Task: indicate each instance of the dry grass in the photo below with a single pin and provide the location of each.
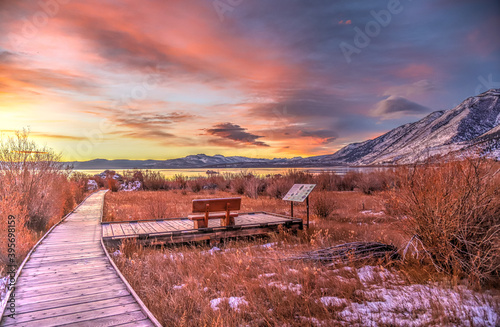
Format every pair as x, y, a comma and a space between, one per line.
248, 283
245, 283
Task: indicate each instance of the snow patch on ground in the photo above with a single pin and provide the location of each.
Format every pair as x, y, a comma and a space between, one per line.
267, 275
415, 305
265, 246
117, 253
296, 288
370, 273
332, 301
131, 186
371, 213
234, 302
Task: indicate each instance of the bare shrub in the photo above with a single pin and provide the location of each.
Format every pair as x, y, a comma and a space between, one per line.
373, 182
196, 185
35, 189
327, 181
278, 186
237, 185
157, 206
32, 172
454, 209
348, 181
179, 182
323, 204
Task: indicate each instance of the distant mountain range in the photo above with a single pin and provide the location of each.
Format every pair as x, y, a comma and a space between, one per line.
471, 127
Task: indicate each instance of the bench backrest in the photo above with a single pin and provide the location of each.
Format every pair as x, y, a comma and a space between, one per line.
215, 205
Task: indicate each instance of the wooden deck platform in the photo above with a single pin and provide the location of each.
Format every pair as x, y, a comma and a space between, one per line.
69, 280
181, 230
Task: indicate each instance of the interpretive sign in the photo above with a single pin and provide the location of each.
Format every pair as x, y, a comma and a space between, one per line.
299, 192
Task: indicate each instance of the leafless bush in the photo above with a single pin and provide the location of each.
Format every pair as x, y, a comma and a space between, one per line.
454, 209
277, 187
35, 189
327, 181
197, 184
32, 172
237, 184
157, 207
348, 181
373, 181
253, 186
323, 204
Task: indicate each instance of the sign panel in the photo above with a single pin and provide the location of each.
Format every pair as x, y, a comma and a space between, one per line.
299, 192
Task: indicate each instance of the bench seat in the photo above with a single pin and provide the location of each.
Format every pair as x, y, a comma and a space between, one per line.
212, 215
205, 209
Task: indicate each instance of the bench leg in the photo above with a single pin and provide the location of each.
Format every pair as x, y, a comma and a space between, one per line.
199, 224
224, 221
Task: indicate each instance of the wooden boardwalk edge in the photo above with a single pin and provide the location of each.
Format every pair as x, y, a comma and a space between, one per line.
144, 309
28, 256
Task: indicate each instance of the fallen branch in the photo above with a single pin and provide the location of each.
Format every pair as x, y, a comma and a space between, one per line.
356, 251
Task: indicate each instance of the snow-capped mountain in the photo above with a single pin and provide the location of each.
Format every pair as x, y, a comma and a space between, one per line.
471, 126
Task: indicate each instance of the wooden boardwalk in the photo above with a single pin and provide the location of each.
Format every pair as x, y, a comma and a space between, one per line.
69, 281
181, 230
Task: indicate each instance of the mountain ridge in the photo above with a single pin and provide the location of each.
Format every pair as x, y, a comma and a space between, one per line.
473, 125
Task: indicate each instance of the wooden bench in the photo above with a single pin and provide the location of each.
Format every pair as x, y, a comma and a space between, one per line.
205, 209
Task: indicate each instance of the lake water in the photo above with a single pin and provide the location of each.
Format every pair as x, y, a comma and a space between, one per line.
197, 172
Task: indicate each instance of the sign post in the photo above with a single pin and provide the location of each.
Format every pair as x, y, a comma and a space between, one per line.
299, 193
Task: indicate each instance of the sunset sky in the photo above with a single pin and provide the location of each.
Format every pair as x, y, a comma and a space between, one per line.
282, 78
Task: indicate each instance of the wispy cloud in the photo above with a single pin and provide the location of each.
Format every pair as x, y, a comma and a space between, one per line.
396, 107
236, 133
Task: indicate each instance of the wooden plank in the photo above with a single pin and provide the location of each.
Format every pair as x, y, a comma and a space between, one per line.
71, 309
219, 204
26, 273
42, 279
149, 227
57, 284
158, 227
141, 323
61, 254
138, 229
118, 315
127, 229
57, 303
115, 289
65, 288
117, 230
54, 260
72, 263
107, 230
146, 227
